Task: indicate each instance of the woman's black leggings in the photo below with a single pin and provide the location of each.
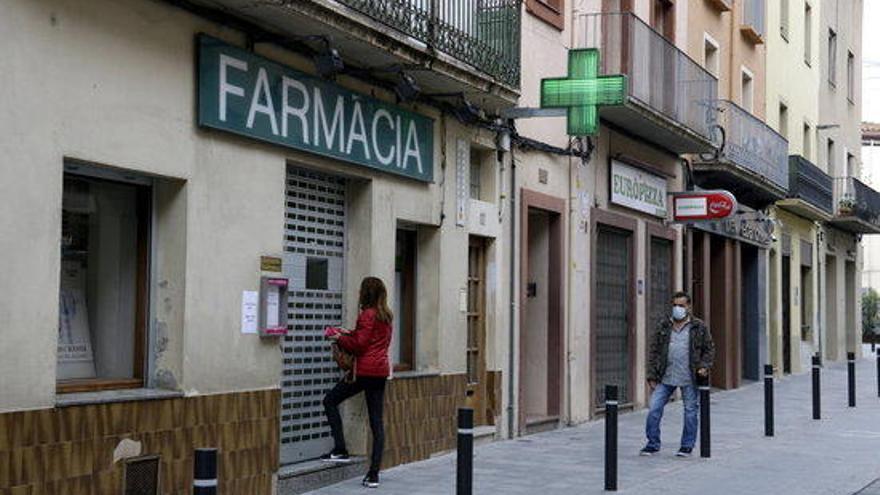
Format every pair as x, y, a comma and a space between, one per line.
374, 390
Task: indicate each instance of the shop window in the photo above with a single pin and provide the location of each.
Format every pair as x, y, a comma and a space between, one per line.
405, 297
103, 283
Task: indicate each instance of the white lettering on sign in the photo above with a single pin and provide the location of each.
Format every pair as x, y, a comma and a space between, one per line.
639, 190
690, 207
226, 88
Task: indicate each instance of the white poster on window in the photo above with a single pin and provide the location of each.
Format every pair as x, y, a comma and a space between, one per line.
75, 357
250, 302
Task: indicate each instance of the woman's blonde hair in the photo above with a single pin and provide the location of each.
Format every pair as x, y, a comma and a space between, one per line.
373, 295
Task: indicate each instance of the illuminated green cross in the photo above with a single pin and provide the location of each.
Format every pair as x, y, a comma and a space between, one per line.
583, 91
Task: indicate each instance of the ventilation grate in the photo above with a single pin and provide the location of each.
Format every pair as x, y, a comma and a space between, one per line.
142, 476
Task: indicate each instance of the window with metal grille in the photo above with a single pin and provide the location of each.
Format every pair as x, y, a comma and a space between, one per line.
141, 476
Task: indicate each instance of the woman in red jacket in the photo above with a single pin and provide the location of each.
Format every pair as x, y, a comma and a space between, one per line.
369, 342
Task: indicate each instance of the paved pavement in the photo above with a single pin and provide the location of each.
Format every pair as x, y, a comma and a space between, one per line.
838, 455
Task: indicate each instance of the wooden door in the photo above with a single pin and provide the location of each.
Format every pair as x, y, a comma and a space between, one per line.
476, 330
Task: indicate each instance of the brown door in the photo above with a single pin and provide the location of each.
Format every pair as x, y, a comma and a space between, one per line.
476, 330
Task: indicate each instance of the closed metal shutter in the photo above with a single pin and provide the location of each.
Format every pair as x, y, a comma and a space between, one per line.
613, 297
659, 285
313, 260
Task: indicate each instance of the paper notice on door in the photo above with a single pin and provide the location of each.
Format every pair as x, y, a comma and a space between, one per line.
273, 298
250, 300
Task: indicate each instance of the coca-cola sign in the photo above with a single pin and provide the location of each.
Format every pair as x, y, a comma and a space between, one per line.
695, 206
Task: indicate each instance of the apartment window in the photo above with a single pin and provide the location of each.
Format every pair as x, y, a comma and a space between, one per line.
808, 34
783, 19
829, 158
808, 141
476, 173
832, 57
783, 120
850, 165
550, 11
663, 18
403, 324
105, 231
711, 59
748, 90
850, 76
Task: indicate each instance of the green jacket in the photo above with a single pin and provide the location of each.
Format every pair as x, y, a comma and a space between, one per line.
702, 350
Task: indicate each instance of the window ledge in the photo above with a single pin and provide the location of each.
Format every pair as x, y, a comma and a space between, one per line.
403, 375
110, 396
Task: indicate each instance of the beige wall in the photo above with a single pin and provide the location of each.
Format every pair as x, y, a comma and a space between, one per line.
845, 17
735, 51
115, 87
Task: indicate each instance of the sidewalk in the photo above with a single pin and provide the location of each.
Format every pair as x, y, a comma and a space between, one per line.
838, 455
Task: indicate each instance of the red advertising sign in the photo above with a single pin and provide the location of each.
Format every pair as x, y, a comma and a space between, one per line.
703, 205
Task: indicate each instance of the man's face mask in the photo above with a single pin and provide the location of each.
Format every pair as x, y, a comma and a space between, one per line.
679, 312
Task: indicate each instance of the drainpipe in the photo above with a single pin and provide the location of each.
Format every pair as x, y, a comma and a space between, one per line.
513, 293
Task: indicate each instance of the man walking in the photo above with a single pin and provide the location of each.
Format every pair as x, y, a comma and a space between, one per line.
682, 349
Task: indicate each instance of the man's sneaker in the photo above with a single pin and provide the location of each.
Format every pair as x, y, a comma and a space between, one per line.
371, 480
340, 456
648, 451
684, 452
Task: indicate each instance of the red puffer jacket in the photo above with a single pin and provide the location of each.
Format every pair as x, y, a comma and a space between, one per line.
369, 343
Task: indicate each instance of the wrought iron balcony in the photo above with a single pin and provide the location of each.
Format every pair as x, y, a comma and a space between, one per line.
446, 46
752, 163
857, 206
482, 33
670, 100
810, 190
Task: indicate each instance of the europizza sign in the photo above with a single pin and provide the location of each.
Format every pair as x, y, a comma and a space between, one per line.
694, 206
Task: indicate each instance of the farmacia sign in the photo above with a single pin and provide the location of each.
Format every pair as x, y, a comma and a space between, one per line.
245, 94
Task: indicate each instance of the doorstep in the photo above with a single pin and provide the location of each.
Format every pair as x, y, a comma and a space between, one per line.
484, 434
306, 476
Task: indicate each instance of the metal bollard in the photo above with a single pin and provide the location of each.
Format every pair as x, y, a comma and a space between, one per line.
768, 400
465, 456
611, 438
851, 377
705, 426
878, 372
205, 472
817, 401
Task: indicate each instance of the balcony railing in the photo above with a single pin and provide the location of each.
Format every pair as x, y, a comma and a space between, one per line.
753, 145
754, 17
661, 76
482, 33
857, 201
809, 183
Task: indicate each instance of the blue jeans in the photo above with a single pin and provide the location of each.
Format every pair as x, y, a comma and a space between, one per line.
691, 415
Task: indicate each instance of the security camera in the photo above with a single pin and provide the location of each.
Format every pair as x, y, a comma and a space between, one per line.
773, 238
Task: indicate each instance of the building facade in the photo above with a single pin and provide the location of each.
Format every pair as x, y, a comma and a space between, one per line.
191, 156
730, 261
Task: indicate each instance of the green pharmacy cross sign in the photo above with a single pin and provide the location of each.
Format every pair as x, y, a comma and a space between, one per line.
583, 91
